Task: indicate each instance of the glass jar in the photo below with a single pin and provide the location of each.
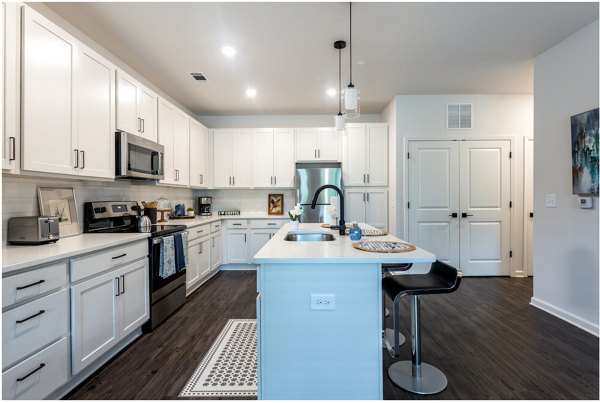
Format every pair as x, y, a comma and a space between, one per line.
355, 232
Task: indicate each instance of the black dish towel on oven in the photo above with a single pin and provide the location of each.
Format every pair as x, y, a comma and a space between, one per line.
179, 253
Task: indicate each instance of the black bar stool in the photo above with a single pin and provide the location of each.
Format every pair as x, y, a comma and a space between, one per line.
392, 340
416, 376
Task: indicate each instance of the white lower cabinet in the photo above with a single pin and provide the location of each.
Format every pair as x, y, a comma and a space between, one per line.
216, 254
258, 239
35, 326
367, 205
39, 375
199, 261
105, 309
237, 246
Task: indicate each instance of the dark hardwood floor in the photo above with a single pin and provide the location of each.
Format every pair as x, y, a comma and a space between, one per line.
485, 337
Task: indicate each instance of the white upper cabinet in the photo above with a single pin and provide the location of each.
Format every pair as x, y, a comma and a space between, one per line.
317, 144
136, 107
273, 158
173, 134
198, 155
95, 114
367, 205
232, 156
9, 36
366, 154
68, 109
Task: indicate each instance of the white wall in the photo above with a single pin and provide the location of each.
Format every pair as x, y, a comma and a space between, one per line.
259, 121
565, 239
494, 116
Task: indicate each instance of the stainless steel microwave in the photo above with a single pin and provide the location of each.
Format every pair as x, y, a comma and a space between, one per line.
138, 158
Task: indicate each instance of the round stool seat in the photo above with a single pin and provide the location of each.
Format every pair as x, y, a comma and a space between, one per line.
431, 381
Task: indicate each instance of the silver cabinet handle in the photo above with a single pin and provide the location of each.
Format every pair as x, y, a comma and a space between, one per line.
364, 197
76, 158
42, 365
271, 180
364, 178
118, 287
82, 159
319, 153
234, 181
230, 181
245, 239
275, 180
315, 153
31, 317
200, 248
367, 197
12, 148
123, 282
143, 125
212, 242
139, 124
368, 178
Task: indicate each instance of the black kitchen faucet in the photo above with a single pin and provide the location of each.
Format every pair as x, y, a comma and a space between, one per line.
342, 223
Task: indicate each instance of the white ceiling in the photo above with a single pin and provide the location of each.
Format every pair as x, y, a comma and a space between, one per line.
285, 50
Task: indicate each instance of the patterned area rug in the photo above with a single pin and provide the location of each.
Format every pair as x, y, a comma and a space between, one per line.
229, 367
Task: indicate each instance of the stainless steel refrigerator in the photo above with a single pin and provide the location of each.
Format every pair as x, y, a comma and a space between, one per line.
310, 177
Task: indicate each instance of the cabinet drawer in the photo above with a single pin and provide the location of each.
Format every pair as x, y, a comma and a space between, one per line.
237, 224
24, 286
89, 265
215, 226
198, 232
33, 325
39, 375
266, 223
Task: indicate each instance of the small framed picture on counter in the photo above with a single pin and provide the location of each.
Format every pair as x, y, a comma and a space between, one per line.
60, 202
275, 204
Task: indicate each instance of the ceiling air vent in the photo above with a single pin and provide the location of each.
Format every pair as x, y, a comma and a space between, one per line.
459, 116
199, 76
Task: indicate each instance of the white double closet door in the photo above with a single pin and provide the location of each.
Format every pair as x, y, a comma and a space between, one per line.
459, 195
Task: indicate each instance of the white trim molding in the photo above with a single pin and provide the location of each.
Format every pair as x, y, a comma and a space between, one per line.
566, 316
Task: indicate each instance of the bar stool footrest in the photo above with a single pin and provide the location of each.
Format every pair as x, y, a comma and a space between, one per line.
431, 381
388, 340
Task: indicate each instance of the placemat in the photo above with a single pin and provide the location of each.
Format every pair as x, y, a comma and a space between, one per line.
384, 246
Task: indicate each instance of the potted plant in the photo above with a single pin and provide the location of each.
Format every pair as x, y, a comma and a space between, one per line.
190, 212
294, 215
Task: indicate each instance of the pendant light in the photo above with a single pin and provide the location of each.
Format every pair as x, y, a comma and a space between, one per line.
351, 98
339, 118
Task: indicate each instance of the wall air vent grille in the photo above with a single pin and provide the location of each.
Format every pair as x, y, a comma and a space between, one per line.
199, 76
459, 116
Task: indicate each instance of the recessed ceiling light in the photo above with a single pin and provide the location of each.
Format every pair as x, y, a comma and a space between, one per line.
251, 93
228, 51
331, 92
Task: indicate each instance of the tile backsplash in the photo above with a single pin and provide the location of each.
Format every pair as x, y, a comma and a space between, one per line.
20, 196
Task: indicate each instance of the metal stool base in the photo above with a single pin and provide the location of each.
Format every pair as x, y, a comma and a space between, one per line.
431, 381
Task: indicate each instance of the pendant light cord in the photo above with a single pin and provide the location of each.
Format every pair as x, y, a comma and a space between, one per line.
350, 43
340, 81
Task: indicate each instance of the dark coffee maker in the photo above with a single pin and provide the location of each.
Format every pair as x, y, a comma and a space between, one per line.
204, 204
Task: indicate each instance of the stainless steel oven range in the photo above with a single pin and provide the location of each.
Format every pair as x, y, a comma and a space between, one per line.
167, 294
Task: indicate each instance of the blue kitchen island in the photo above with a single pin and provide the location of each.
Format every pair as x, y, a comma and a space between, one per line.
319, 316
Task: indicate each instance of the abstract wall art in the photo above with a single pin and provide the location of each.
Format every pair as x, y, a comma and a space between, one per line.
584, 152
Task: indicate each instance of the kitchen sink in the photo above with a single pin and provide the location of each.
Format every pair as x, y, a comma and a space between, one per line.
308, 237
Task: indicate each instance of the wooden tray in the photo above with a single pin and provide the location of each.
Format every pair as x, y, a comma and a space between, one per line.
384, 246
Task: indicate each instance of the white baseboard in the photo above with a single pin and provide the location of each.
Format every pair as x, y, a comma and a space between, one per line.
237, 266
566, 316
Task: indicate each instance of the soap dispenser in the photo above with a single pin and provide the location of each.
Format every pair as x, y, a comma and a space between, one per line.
355, 232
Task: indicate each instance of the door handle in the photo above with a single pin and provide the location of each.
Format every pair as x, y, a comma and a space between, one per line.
118, 287
12, 141
123, 282
531, 214
315, 153
319, 153
275, 180
364, 178
465, 215
143, 125
234, 181
201, 249
82, 159
453, 215
76, 158
368, 178
271, 180
230, 181
139, 124
245, 240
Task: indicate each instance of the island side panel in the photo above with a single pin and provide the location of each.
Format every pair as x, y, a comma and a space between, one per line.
320, 354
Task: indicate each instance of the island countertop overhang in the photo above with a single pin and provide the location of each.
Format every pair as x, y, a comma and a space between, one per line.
340, 250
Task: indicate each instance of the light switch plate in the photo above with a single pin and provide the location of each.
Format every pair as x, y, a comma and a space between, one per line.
551, 200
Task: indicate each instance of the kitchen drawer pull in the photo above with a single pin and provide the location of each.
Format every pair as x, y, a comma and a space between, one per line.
272, 223
31, 317
42, 365
76, 158
236, 224
120, 256
82, 159
30, 285
200, 231
12, 144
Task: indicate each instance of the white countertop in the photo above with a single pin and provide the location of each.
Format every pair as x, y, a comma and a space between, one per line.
15, 257
338, 251
199, 220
